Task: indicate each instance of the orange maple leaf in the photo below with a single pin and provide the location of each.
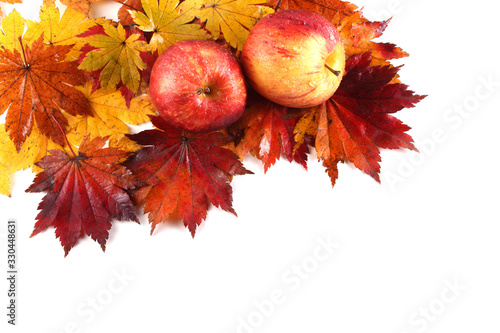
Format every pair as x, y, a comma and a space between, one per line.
357, 36
332, 10
36, 86
124, 15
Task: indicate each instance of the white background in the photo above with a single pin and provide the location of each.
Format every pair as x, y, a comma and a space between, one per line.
401, 244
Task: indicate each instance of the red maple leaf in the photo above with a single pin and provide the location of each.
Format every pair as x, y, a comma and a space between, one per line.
353, 124
183, 174
267, 130
84, 192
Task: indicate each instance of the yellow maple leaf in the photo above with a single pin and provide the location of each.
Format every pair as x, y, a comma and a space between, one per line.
59, 30
4, 180
306, 125
169, 22
12, 29
233, 18
110, 117
117, 55
6, 150
33, 150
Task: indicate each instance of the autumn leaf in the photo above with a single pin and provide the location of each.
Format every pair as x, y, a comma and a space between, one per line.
35, 86
169, 22
356, 121
11, 161
115, 54
357, 34
233, 18
84, 192
7, 150
183, 174
33, 150
268, 132
124, 16
332, 10
13, 26
59, 30
4, 178
81, 6
109, 116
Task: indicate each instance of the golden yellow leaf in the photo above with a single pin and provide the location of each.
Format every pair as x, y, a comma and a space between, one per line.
169, 22
12, 27
33, 150
306, 125
4, 180
6, 150
59, 30
117, 55
110, 117
233, 18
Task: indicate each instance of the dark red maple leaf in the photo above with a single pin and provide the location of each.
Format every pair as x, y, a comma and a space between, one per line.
84, 192
183, 174
367, 89
353, 124
268, 132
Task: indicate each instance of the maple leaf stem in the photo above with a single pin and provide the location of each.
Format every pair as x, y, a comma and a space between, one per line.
22, 49
64, 134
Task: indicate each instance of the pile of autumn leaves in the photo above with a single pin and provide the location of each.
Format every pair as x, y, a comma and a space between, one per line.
71, 85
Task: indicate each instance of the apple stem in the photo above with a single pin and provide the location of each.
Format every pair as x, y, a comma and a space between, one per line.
277, 5
205, 90
337, 73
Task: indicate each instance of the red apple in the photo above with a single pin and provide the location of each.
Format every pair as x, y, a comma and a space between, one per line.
294, 58
198, 86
